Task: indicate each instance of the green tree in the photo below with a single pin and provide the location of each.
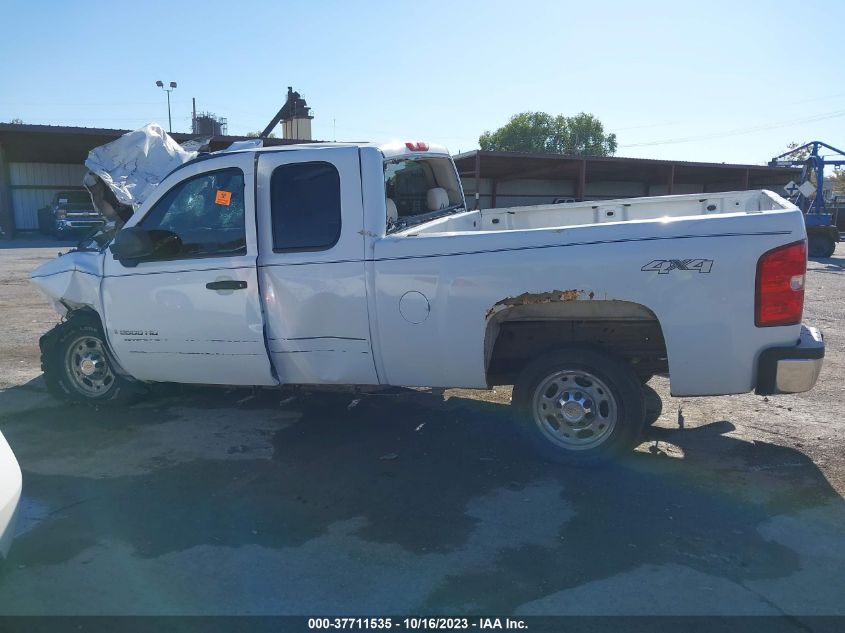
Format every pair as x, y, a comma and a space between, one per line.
837, 181
543, 133
801, 154
256, 134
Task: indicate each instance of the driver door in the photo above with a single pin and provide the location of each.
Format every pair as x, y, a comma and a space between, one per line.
193, 313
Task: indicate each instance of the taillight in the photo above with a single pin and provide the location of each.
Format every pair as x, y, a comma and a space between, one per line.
779, 296
417, 146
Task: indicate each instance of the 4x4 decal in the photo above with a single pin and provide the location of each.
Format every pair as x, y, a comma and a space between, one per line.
664, 266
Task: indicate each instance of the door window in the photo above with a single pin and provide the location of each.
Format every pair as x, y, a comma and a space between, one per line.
305, 206
201, 217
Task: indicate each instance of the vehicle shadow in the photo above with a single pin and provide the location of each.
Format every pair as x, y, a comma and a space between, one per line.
442, 485
37, 242
830, 265
835, 263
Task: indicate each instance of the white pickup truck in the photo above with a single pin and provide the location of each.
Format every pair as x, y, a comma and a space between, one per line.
358, 264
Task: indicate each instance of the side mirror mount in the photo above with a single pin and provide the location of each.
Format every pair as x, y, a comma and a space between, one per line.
136, 244
131, 245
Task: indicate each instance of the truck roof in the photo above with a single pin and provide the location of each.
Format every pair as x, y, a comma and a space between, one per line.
394, 149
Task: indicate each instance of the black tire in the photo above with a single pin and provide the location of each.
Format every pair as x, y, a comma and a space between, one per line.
831, 248
820, 246
621, 387
80, 332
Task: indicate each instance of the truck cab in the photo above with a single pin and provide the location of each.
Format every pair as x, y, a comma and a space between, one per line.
259, 260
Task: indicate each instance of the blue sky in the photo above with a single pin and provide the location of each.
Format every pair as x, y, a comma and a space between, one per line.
712, 81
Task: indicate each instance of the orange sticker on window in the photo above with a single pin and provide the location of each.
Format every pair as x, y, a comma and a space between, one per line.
223, 197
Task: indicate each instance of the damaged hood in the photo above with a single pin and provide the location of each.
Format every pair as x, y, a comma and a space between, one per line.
133, 165
71, 281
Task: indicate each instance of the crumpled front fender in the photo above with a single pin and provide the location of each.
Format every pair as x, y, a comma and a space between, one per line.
71, 281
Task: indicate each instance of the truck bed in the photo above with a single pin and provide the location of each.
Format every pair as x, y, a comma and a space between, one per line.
586, 255
549, 216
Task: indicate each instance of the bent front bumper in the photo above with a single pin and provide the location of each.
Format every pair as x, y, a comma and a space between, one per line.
10, 494
791, 369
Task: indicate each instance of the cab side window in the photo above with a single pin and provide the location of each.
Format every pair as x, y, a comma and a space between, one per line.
305, 206
202, 216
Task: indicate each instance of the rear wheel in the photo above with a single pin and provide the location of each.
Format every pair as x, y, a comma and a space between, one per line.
820, 245
579, 406
77, 366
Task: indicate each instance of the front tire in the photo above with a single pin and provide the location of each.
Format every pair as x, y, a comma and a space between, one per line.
77, 365
579, 406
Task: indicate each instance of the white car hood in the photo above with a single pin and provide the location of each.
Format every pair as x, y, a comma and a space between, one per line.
10, 494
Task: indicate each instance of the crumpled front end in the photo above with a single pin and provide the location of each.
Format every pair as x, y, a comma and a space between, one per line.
71, 281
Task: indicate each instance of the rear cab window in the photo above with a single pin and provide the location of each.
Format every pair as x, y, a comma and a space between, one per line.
420, 189
305, 206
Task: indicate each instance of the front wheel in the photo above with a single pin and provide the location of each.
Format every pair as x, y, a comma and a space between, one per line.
579, 406
77, 366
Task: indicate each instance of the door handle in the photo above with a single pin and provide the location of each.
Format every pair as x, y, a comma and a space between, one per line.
226, 284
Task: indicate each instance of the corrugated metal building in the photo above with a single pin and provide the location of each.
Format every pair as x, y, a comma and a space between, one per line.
33, 186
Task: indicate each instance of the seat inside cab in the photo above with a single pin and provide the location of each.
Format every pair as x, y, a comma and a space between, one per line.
417, 189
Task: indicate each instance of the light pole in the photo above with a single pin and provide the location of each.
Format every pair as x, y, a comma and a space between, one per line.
160, 84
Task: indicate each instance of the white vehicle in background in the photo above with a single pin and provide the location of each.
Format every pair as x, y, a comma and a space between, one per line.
10, 494
357, 264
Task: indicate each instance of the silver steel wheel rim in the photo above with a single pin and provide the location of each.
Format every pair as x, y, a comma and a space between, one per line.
575, 410
87, 367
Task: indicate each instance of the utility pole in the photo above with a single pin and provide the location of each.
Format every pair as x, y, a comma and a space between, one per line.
160, 84
194, 117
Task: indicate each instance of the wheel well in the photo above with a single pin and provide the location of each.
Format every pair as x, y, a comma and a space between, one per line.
518, 334
90, 314
84, 313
